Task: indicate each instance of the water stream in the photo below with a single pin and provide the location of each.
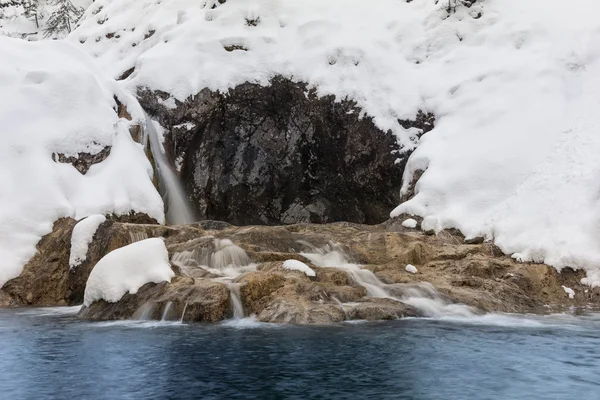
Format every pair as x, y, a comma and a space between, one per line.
178, 211
422, 296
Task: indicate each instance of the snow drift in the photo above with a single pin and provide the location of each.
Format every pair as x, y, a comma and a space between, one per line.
127, 269
513, 85
54, 100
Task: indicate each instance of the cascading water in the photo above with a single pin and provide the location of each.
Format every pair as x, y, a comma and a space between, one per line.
423, 296
222, 258
167, 311
236, 301
178, 211
145, 312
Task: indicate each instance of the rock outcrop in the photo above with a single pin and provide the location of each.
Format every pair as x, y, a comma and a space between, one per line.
280, 154
220, 267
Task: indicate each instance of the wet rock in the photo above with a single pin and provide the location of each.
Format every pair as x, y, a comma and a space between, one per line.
380, 309
280, 154
297, 310
6, 300
201, 300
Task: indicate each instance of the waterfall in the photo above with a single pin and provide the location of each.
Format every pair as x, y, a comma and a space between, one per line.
177, 208
183, 313
228, 254
236, 301
165, 314
145, 312
423, 296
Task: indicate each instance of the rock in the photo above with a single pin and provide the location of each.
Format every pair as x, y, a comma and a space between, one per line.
380, 309
45, 278
256, 289
6, 300
83, 161
297, 310
202, 300
280, 154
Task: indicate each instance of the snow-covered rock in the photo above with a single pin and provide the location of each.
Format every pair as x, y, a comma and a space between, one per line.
82, 236
127, 269
295, 265
409, 223
55, 100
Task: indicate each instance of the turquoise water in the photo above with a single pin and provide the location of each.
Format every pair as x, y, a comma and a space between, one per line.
50, 354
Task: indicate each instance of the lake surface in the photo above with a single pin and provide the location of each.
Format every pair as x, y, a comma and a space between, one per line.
49, 354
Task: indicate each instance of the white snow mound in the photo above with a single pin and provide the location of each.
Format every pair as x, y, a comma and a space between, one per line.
411, 268
295, 265
54, 100
409, 223
82, 236
127, 269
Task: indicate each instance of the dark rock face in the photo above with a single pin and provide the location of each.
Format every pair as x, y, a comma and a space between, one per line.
280, 154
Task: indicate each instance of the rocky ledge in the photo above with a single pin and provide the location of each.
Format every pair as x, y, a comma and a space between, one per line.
341, 271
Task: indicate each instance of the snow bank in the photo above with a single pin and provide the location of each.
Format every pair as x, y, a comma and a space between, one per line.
127, 269
295, 265
513, 85
82, 236
55, 100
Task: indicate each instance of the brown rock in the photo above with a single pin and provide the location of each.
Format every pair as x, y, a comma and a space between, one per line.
297, 310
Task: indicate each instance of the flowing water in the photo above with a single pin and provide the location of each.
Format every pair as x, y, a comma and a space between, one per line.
49, 354
177, 207
422, 296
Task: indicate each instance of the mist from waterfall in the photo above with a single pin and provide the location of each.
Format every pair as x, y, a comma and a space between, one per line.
177, 208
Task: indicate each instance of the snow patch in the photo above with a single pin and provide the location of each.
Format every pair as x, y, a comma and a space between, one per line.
127, 269
409, 223
295, 265
82, 236
411, 268
569, 291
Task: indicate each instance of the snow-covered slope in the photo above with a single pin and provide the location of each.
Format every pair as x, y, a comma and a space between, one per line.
54, 100
513, 84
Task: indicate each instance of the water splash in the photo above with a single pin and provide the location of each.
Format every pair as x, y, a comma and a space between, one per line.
423, 297
177, 207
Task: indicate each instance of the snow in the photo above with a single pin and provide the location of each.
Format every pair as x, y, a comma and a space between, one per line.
127, 269
409, 223
56, 100
411, 268
82, 236
569, 292
295, 265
